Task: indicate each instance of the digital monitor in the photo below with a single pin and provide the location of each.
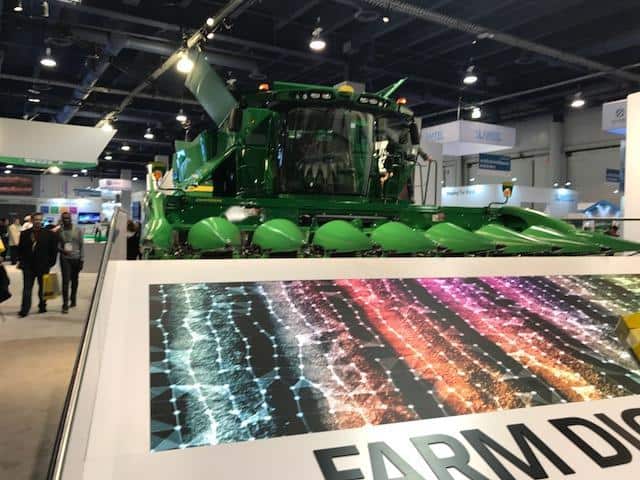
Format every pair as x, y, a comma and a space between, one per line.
87, 218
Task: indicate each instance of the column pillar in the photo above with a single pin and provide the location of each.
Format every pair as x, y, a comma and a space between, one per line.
557, 158
631, 230
125, 195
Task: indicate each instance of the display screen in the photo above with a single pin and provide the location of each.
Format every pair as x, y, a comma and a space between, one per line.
244, 361
86, 218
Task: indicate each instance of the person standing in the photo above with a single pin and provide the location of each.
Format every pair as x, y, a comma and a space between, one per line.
71, 246
14, 240
4, 237
38, 251
133, 240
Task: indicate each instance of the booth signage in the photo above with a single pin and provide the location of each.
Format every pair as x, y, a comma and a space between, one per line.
614, 117
494, 162
115, 184
464, 137
613, 175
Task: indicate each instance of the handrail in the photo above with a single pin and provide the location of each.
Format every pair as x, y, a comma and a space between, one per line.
71, 401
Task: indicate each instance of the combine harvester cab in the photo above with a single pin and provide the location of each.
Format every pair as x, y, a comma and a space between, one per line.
308, 170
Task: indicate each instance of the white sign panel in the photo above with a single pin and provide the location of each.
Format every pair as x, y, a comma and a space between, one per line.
614, 117
559, 201
42, 142
463, 137
115, 184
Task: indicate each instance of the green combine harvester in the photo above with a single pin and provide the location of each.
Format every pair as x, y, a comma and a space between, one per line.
312, 171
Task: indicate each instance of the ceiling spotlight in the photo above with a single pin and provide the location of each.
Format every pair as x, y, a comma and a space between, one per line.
54, 169
556, 184
7, 172
135, 179
125, 148
210, 22
107, 157
75, 175
185, 64
149, 134
18, 8
578, 101
210, 35
48, 60
470, 77
84, 171
514, 179
317, 43
181, 117
106, 126
386, 19
476, 113
567, 184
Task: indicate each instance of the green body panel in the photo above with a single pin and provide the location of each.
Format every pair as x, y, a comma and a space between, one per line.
564, 244
398, 238
339, 236
278, 236
457, 240
158, 231
511, 242
214, 234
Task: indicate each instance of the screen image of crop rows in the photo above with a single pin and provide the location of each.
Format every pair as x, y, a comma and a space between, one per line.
247, 361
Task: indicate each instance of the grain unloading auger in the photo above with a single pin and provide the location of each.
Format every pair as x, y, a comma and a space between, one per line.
308, 170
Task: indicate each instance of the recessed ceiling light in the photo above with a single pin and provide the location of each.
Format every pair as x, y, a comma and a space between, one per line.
135, 179
33, 99
48, 60
578, 101
108, 157
567, 184
181, 117
210, 21
386, 19
470, 77
18, 8
125, 148
149, 134
317, 43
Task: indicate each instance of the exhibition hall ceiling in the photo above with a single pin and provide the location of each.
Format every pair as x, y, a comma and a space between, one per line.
103, 49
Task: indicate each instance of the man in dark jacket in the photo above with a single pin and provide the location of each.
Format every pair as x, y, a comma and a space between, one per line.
38, 250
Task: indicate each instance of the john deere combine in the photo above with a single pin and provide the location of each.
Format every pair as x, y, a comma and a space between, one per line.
307, 170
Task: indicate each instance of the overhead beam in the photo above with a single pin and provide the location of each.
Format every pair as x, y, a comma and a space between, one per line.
501, 37
105, 90
296, 14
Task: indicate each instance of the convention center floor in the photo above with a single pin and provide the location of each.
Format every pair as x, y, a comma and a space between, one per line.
36, 358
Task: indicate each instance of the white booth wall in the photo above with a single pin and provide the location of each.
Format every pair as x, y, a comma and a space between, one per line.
590, 152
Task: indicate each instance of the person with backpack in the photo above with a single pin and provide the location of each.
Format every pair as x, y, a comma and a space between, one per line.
71, 247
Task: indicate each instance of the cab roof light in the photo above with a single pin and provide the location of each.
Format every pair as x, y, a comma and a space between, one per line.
264, 87
401, 101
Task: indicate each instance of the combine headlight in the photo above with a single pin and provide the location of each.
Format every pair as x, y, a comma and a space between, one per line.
315, 95
326, 96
